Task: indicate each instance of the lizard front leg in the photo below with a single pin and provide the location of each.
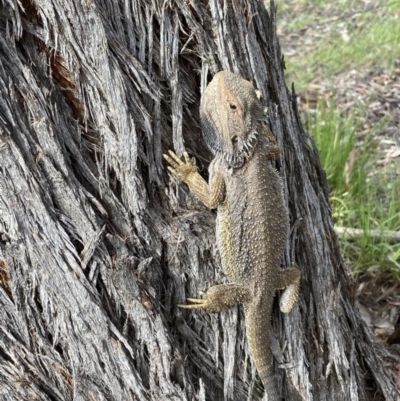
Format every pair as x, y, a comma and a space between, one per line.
211, 195
220, 298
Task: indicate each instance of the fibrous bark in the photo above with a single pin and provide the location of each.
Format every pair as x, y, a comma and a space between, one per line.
98, 244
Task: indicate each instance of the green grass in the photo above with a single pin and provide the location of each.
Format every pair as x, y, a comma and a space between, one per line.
322, 40
340, 41
308, 13
363, 195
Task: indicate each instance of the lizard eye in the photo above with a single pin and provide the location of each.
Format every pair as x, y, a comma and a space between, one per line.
232, 106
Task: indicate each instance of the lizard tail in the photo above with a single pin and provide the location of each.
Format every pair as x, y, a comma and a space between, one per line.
258, 324
269, 382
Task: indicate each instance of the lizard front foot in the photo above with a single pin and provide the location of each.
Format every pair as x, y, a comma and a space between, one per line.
181, 169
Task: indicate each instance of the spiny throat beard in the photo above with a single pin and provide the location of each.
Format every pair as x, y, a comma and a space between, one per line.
240, 156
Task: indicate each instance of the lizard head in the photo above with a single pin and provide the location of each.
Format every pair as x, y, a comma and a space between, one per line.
230, 110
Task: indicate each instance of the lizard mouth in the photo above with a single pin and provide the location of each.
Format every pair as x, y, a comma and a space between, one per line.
242, 150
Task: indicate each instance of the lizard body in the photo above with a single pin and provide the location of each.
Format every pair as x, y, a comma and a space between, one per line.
252, 220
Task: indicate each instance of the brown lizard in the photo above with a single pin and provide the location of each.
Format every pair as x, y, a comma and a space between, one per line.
252, 220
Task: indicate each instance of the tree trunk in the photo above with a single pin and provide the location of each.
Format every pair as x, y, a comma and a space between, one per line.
98, 244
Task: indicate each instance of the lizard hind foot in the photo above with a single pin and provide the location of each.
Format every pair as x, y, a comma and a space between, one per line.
290, 280
219, 298
289, 298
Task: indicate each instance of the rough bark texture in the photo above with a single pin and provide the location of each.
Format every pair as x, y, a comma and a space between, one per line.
98, 244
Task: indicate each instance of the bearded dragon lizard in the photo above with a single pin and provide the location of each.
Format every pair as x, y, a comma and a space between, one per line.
252, 220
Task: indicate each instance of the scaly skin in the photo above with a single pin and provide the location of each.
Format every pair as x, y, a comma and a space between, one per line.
252, 220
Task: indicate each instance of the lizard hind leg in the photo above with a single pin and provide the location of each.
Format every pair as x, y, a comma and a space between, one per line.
290, 280
220, 298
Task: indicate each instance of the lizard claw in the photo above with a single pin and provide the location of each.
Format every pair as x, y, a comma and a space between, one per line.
195, 300
173, 159
196, 303
189, 160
